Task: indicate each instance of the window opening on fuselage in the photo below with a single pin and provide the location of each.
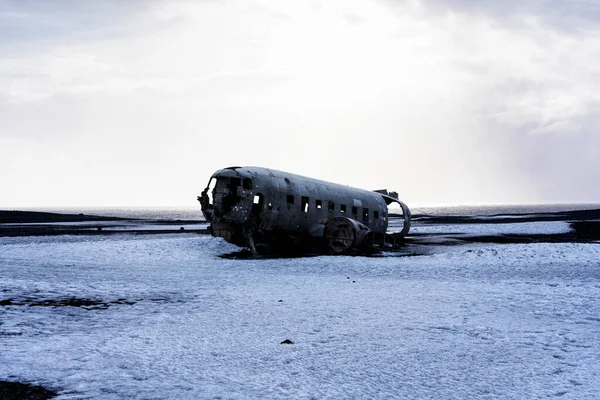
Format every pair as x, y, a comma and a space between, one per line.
270, 206
331, 206
290, 199
376, 214
354, 211
228, 187
343, 208
304, 206
365, 214
247, 183
318, 204
257, 203
210, 190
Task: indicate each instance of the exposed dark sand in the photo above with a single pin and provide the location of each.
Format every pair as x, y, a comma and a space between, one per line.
88, 304
585, 225
16, 217
577, 215
30, 223
23, 391
89, 230
36, 299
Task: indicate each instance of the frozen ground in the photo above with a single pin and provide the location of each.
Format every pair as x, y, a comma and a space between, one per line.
518, 228
163, 317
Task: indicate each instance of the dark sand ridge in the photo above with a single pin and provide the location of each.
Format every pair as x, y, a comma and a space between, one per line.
576, 215
585, 226
21, 217
22, 391
33, 223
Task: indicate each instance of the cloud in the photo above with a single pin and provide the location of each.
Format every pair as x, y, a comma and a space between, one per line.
451, 102
577, 16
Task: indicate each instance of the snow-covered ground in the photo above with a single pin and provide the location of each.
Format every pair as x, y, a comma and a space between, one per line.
517, 228
467, 322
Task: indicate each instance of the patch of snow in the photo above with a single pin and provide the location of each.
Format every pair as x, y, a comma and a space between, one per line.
518, 228
480, 321
501, 216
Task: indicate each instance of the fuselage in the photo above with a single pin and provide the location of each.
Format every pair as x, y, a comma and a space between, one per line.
260, 202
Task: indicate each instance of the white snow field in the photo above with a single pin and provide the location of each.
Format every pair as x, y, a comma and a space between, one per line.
516, 228
481, 229
468, 322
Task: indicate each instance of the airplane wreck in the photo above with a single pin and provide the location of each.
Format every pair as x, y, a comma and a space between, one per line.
275, 212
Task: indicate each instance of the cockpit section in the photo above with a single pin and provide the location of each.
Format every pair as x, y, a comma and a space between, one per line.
222, 195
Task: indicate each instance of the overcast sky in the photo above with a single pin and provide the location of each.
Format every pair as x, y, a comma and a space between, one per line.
111, 103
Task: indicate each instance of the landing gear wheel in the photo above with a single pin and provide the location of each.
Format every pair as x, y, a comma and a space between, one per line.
343, 235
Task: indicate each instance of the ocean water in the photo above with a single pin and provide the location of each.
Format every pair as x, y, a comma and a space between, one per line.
193, 213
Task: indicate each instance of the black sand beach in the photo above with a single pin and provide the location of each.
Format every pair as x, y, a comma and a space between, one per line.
22, 391
585, 226
33, 223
